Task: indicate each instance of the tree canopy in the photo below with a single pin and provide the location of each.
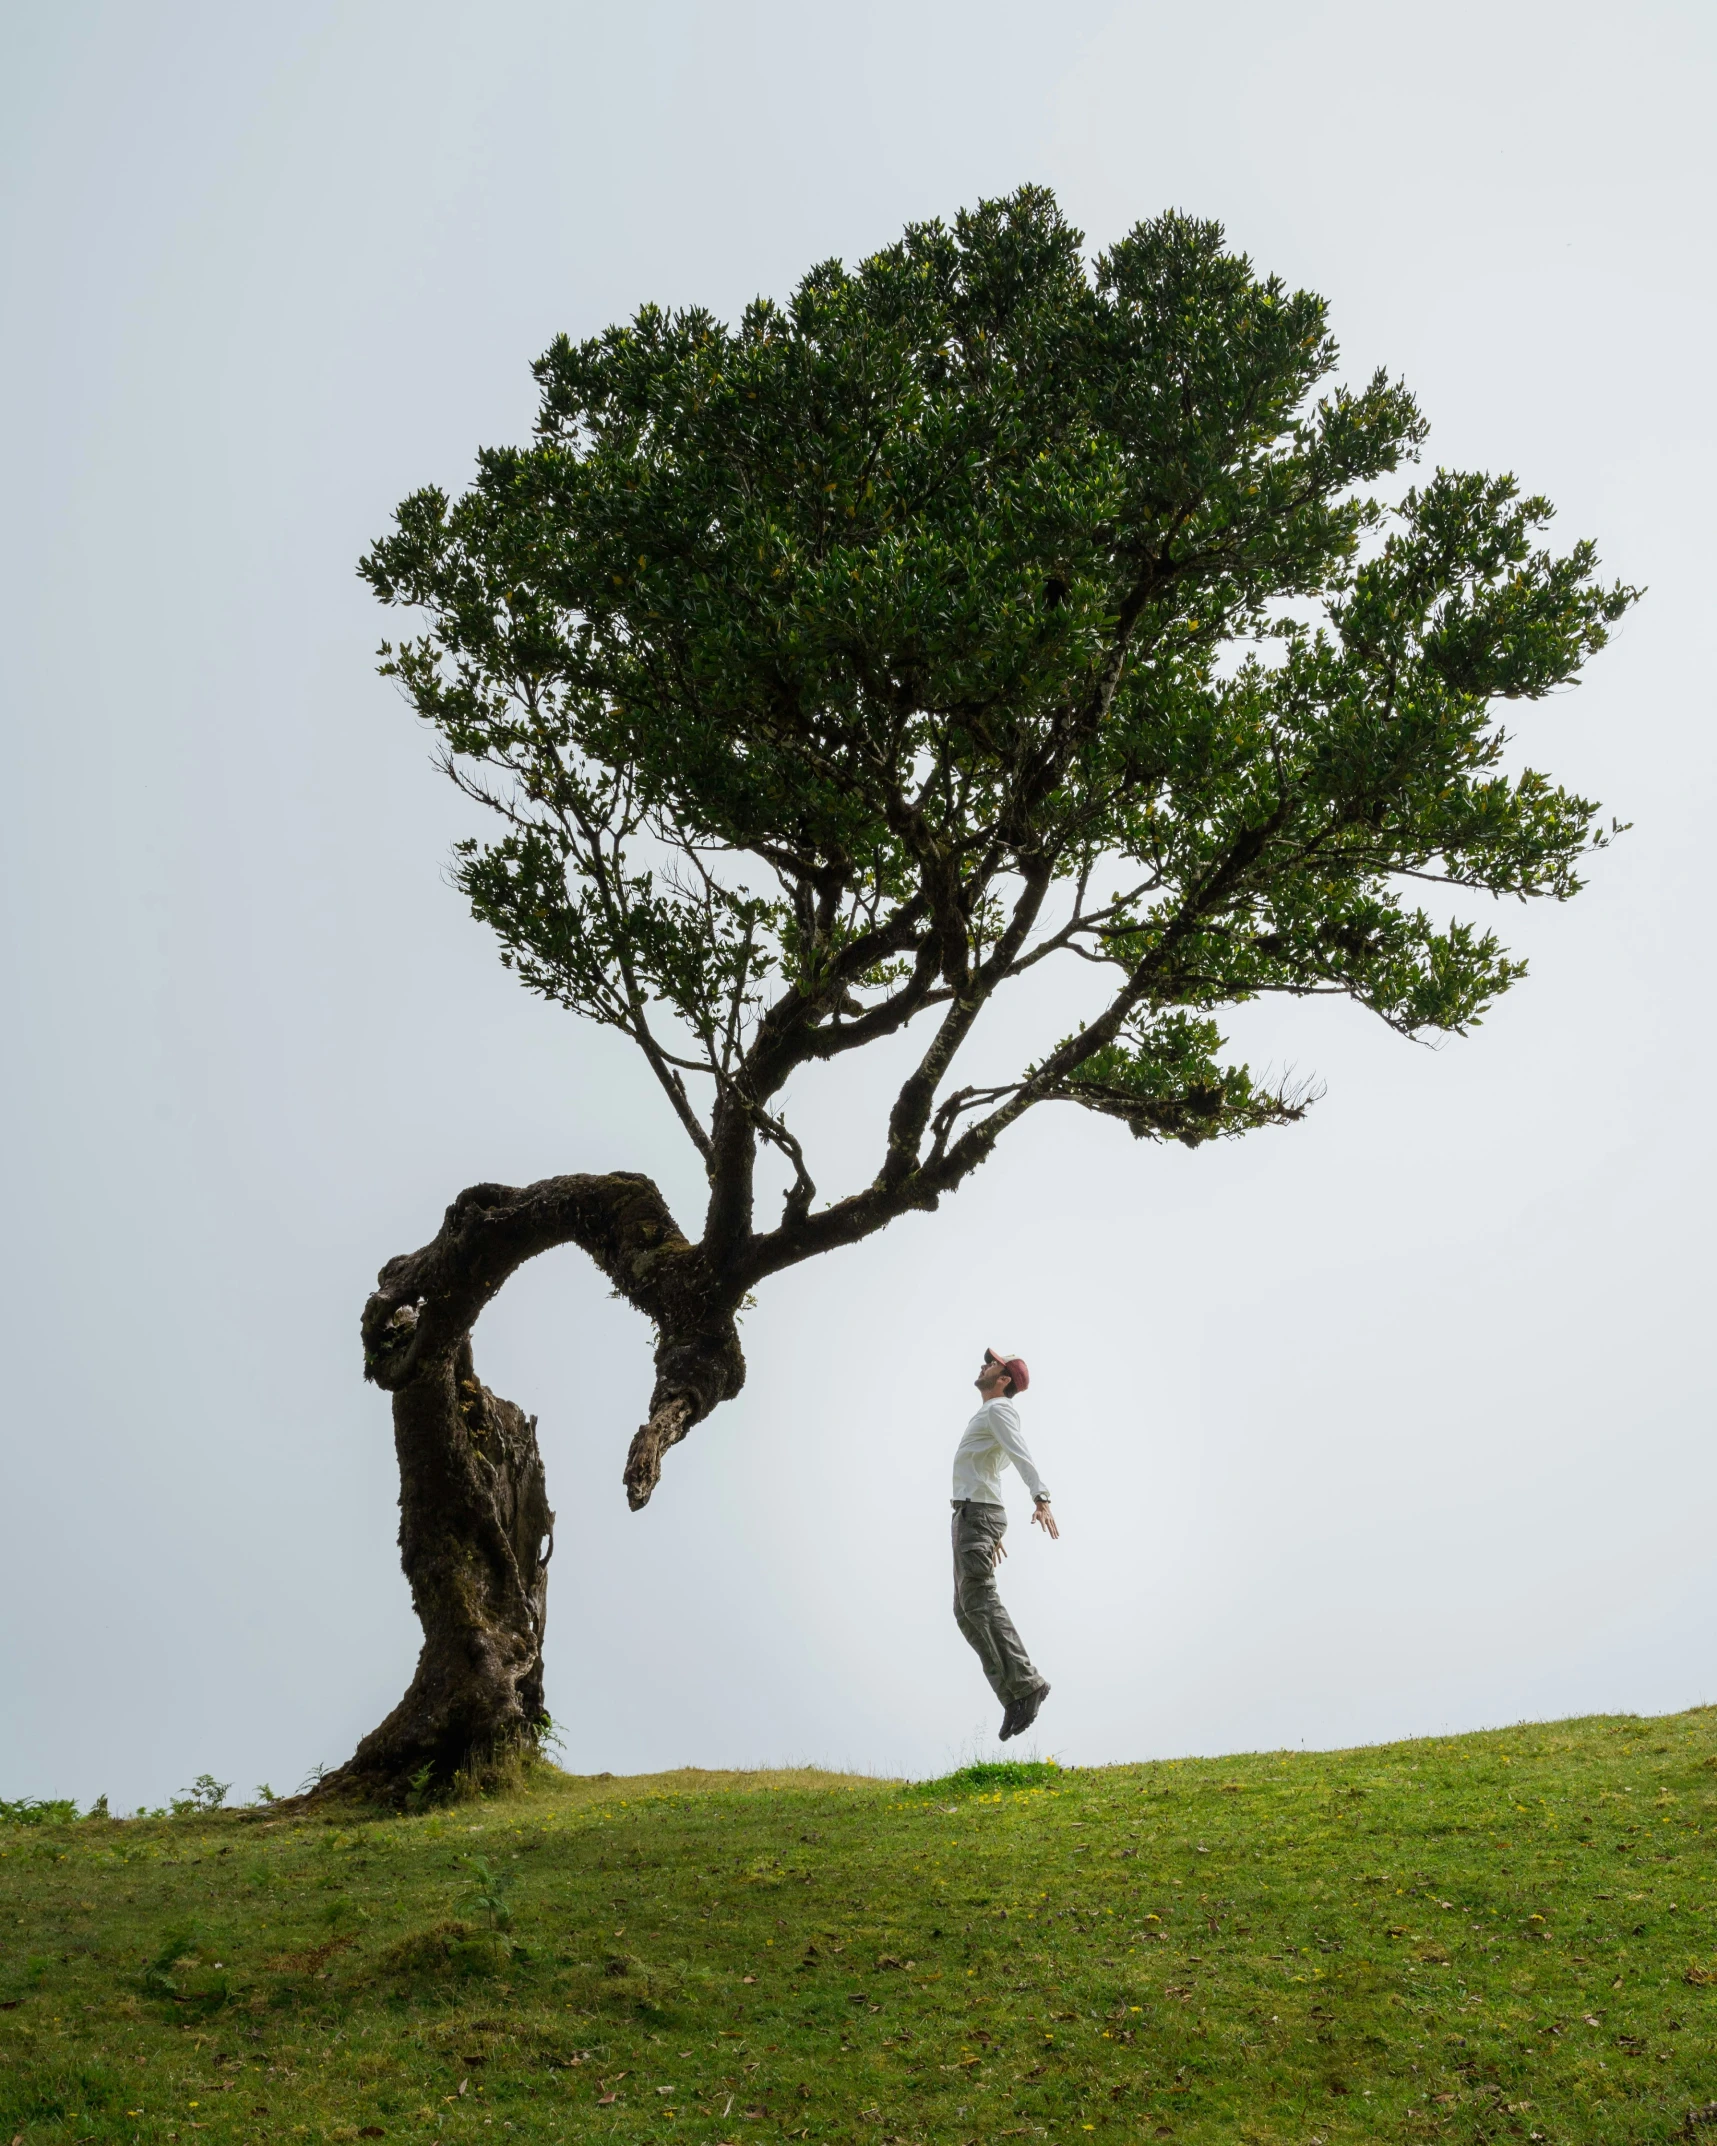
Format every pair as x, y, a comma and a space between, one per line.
980, 606
970, 610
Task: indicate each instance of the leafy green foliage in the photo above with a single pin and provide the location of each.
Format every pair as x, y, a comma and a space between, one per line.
1162, 1079
178, 1944
493, 1888
995, 1773
204, 1794
38, 1811
974, 608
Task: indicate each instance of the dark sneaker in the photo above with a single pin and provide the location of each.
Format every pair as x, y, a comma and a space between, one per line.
1010, 1721
1024, 1711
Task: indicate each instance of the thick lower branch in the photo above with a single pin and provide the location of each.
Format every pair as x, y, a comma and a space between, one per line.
425, 1303
695, 1373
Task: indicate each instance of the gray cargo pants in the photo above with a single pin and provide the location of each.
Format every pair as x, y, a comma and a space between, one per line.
978, 1611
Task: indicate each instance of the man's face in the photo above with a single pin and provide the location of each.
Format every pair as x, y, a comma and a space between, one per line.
992, 1377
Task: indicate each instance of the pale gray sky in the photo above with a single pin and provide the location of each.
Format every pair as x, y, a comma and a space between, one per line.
1398, 1421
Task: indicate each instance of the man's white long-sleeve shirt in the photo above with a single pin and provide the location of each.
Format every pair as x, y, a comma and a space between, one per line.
990, 1441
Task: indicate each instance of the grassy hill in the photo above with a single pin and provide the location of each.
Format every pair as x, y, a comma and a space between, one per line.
1505, 1936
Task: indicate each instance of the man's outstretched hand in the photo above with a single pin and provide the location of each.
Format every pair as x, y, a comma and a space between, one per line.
1042, 1517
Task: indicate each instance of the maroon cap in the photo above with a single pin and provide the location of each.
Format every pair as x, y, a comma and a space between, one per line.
1015, 1368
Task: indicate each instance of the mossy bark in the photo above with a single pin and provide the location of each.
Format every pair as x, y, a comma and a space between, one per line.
476, 1534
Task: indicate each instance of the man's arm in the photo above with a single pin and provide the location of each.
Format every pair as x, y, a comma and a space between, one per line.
1004, 1419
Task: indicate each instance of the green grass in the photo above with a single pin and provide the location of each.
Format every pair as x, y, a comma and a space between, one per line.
1503, 1936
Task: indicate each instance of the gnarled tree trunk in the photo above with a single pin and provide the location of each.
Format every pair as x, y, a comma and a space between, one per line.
475, 1538
476, 1531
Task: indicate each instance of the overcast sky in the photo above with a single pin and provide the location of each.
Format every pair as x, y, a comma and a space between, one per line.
1395, 1422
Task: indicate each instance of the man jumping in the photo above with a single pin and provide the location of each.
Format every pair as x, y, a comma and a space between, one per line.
991, 1440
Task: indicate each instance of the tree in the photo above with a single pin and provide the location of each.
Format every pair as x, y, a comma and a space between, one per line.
827, 674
